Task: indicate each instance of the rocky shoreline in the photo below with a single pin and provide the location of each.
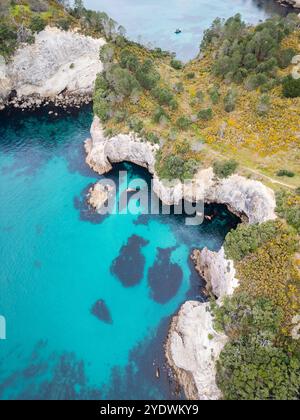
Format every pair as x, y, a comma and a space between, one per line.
290, 3
58, 70
193, 346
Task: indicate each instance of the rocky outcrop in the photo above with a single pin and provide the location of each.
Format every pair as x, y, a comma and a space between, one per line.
192, 348
102, 152
245, 197
290, 3
98, 195
61, 67
218, 272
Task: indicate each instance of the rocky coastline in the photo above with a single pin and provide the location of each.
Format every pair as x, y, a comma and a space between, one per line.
193, 346
58, 70
290, 3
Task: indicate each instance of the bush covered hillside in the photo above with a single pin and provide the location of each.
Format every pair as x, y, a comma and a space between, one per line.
21, 19
236, 101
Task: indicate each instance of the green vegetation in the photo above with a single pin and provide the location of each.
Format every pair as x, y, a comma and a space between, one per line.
225, 169
285, 172
246, 239
205, 114
291, 87
176, 64
249, 55
288, 207
257, 363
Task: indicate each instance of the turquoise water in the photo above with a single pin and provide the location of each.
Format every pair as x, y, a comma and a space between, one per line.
87, 299
155, 21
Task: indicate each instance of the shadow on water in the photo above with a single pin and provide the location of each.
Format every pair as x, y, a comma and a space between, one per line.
63, 375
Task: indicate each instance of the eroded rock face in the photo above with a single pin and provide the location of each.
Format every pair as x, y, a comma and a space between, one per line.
98, 195
192, 348
59, 62
218, 272
243, 196
101, 152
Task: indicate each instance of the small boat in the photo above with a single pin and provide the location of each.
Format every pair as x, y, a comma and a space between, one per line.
157, 373
178, 31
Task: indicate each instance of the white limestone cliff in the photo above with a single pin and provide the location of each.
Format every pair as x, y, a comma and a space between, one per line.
57, 63
193, 346
243, 196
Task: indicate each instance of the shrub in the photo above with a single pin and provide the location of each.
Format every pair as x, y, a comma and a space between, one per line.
121, 116
263, 106
230, 100
176, 64
183, 123
37, 24
288, 207
135, 124
291, 87
284, 57
285, 172
129, 60
190, 75
101, 108
179, 88
163, 95
122, 81
147, 76
255, 81
205, 114
214, 95
246, 239
8, 39
225, 169
159, 115
64, 24
152, 138
200, 96
253, 365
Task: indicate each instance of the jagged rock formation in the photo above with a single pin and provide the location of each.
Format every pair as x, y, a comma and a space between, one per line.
192, 346
291, 3
61, 67
218, 272
98, 195
245, 197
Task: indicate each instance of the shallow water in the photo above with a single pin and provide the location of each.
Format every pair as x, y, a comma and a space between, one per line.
87, 299
155, 21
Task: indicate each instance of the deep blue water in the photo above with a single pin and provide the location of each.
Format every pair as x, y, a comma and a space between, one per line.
155, 21
87, 299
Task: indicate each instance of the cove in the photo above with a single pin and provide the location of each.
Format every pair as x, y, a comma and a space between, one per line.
153, 22
75, 330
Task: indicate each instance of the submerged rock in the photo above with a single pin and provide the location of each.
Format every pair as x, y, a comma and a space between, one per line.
101, 311
129, 266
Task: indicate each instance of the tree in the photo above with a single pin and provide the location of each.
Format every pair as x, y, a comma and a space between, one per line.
230, 100
225, 169
291, 87
252, 366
